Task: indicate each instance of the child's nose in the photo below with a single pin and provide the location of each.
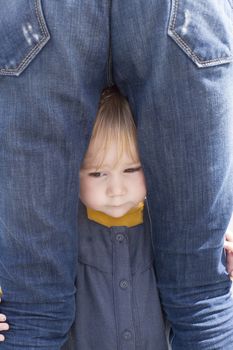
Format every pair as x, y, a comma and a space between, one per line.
116, 188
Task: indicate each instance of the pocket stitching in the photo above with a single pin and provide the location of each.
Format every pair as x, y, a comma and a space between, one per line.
18, 70
193, 55
40, 18
180, 41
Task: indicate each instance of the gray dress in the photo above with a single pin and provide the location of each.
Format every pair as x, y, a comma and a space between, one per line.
117, 301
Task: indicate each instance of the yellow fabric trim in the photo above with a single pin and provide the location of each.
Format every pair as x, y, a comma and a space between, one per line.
132, 218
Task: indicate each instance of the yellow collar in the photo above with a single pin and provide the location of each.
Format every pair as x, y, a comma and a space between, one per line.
132, 218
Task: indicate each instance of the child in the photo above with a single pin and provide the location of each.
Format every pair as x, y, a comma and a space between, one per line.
117, 299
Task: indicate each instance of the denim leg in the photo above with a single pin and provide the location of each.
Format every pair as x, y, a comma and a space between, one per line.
201, 316
173, 60
53, 66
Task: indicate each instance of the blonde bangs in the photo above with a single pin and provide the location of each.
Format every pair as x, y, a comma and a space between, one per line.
114, 124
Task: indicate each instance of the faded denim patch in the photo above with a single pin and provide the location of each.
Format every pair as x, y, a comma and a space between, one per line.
203, 30
23, 34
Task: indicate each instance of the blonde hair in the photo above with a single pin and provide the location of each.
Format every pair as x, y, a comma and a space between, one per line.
114, 123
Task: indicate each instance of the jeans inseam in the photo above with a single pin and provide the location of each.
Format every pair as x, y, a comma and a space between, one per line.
109, 69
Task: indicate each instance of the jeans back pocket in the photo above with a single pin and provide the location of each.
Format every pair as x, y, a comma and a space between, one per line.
203, 29
23, 34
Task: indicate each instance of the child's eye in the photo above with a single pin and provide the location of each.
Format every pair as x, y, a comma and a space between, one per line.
96, 174
133, 170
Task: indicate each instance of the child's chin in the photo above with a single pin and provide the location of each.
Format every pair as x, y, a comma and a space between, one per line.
117, 213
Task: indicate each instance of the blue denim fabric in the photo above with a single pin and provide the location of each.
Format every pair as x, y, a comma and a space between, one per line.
173, 60
48, 100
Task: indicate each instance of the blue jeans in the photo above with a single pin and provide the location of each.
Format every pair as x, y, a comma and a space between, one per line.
174, 62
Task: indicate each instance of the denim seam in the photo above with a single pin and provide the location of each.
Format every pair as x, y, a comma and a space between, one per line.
109, 69
37, 47
184, 45
39, 16
150, 227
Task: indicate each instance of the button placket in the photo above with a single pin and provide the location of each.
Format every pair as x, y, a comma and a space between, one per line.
122, 289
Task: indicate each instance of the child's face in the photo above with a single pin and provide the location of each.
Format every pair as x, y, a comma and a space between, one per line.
116, 187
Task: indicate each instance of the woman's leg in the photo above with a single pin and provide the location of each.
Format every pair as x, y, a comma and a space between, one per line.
174, 61
49, 92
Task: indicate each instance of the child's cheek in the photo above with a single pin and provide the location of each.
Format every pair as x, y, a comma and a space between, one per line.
95, 197
142, 184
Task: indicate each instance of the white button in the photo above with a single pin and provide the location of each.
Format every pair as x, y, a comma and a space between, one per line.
127, 335
124, 284
120, 237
